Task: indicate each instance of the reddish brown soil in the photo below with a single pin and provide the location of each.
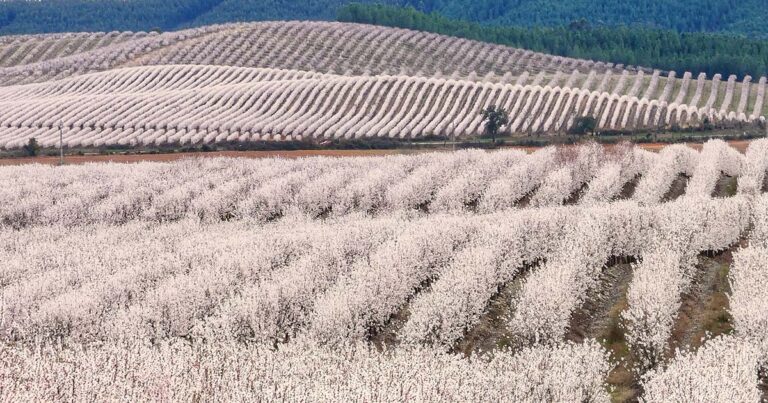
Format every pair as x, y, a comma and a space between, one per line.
740, 145
129, 158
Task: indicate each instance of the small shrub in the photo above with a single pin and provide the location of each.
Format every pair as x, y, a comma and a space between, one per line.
584, 125
31, 149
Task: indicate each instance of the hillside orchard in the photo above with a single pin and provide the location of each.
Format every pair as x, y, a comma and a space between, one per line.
315, 81
463, 276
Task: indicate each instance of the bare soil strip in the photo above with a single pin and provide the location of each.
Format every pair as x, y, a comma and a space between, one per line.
704, 309
525, 201
132, 158
726, 186
574, 198
386, 337
740, 145
677, 188
599, 318
765, 184
491, 332
629, 189
592, 319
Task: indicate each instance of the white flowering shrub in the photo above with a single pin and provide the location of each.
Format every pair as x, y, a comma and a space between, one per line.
725, 369
575, 171
747, 304
654, 299
716, 158
673, 161
624, 165
366, 297
278, 305
301, 372
457, 299
756, 164
553, 291
518, 181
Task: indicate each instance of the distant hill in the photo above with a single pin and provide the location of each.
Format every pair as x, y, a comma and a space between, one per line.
325, 81
729, 16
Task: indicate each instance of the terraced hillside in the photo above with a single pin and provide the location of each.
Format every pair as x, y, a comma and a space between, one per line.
302, 80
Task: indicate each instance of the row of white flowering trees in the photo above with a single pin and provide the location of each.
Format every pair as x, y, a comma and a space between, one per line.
731, 367
466, 181
29, 49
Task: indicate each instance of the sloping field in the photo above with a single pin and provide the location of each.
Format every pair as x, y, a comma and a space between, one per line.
193, 104
316, 80
32, 49
312, 46
565, 275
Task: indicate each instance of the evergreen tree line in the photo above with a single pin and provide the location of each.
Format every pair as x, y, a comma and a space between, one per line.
733, 16
27, 17
629, 45
35, 16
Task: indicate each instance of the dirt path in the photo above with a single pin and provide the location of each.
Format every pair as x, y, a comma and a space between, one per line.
740, 145
525, 201
574, 198
677, 188
599, 318
726, 186
704, 308
387, 336
765, 184
491, 332
592, 319
628, 190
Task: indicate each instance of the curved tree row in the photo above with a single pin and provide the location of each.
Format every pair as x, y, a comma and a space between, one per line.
29, 49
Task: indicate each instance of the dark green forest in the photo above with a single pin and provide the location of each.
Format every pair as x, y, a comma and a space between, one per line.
662, 49
733, 16
728, 16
